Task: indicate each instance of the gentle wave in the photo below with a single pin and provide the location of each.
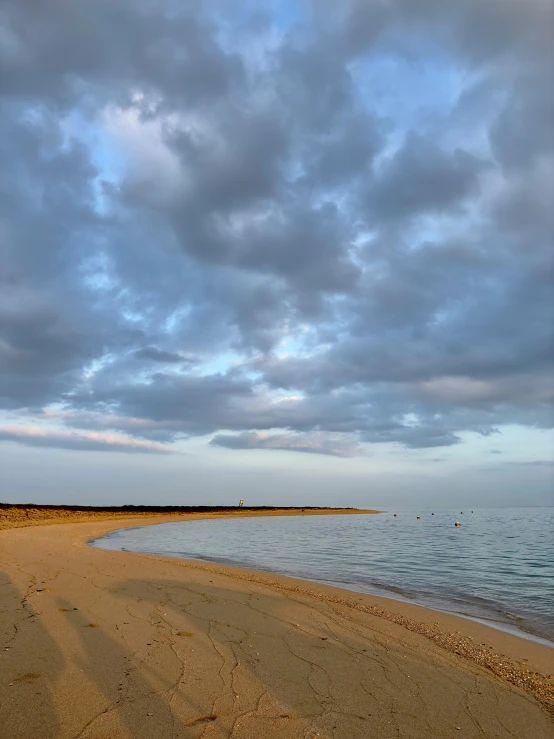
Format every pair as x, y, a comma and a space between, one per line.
498, 566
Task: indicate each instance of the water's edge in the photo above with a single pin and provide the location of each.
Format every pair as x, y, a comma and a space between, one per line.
524, 631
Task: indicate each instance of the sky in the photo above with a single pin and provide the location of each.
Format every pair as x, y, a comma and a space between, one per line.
298, 253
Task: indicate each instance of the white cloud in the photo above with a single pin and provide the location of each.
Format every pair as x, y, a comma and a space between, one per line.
79, 440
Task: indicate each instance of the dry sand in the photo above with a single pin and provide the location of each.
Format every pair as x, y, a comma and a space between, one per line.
99, 644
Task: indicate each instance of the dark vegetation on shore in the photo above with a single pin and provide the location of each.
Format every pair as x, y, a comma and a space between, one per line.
166, 508
34, 514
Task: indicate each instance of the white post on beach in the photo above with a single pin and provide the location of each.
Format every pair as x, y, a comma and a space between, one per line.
241, 501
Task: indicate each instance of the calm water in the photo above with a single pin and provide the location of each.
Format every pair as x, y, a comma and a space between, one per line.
499, 565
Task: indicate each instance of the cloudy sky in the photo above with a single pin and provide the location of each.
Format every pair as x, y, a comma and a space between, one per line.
296, 252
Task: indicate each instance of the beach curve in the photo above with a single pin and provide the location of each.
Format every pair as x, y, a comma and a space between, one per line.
115, 644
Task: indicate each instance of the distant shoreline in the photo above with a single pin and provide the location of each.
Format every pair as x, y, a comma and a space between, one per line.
16, 515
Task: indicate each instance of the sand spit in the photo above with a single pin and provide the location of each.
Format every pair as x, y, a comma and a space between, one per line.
99, 644
12, 516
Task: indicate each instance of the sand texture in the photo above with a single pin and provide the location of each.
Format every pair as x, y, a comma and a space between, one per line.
97, 644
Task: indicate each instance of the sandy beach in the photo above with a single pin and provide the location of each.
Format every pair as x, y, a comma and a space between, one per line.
101, 644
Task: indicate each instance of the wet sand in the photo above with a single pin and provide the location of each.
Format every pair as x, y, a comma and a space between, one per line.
99, 644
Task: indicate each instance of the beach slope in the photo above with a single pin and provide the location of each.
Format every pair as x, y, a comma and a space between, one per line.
99, 644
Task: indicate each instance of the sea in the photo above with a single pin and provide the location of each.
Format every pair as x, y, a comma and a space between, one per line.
496, 567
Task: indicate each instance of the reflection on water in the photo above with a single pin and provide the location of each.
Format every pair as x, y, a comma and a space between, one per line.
497, 565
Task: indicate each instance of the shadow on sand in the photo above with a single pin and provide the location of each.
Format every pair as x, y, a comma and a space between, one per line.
30, 662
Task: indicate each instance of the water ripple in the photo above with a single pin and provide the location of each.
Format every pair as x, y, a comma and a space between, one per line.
498, 565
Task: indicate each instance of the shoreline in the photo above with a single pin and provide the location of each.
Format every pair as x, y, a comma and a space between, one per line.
490, 622
384, 603
18, 516
135, 606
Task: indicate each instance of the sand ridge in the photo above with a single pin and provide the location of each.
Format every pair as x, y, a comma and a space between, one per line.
16, 516
99, 644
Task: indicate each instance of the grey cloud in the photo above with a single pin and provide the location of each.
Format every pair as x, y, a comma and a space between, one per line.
421, 178
393, 276
186, 404
103, 420
287, 442
344, 154
302, 69
159, 355
414, 437
478, 31
50, 327
522, 131
51, 48
240, 162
